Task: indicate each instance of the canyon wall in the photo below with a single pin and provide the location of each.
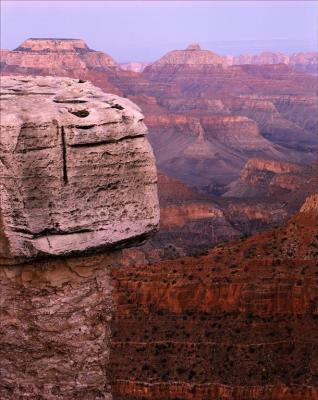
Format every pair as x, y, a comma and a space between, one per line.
78, 183
237, 323
305, 61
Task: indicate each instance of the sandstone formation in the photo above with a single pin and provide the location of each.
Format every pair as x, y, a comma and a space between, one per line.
266, 57
261, 180
193, 129
54, 328
77, 176
204, 135
310, 206
206, 73
61, 192
237, 323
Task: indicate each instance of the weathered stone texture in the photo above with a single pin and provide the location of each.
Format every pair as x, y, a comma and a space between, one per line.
77, 172
55, 329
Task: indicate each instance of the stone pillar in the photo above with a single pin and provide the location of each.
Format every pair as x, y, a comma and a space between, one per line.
78, 183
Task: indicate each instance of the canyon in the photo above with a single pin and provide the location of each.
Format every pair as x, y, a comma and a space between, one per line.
237, 323
203, 114
220, 302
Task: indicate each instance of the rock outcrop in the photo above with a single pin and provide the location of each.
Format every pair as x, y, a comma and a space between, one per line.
190, 222
77, 176
310, 206
205, 74
289, 121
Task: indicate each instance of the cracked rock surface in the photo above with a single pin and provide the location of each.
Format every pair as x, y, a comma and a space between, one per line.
77, 172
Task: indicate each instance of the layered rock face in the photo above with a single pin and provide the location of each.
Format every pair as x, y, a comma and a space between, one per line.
196, 119
306, 61
206, 73
238, 323
192, 55
61, 54
77, 176
290, 121
60, 57
192, 222
263, 180
263, 177
189, 148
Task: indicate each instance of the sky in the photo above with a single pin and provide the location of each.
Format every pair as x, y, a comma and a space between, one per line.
145, 30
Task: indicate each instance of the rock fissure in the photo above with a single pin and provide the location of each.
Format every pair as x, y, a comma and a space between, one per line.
64, 156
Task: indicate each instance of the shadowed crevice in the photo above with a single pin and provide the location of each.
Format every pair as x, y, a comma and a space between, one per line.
64, 156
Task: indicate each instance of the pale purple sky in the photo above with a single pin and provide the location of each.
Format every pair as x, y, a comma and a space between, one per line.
145, 30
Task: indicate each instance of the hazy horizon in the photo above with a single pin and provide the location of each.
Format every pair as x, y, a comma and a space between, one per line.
144, 31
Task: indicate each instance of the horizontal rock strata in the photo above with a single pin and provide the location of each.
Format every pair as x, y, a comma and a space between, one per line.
238, 323
78, 173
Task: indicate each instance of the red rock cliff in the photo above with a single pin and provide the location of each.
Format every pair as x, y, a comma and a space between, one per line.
238, 323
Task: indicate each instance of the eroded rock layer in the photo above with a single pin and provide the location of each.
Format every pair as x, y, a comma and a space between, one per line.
239, 323
60, 57
53, 54
79, 175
